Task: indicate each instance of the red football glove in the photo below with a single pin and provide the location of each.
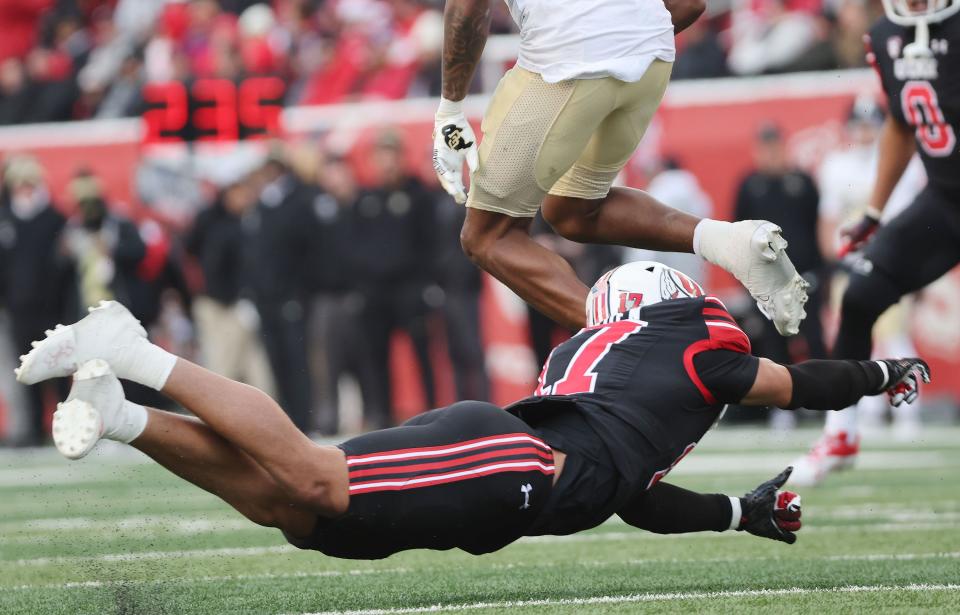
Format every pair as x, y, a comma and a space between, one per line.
855, 235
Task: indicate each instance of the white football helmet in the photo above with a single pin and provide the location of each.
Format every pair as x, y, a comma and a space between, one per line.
634, 285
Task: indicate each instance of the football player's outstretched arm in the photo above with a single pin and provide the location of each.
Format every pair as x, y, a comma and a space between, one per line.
765, 511
834, 385
684, 12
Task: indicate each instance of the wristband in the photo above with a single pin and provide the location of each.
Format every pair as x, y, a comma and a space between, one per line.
736, 513
873, 213
820, 384
449, 107
886, 373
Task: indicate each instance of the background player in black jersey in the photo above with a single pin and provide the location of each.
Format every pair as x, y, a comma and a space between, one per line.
916, 52
616, 407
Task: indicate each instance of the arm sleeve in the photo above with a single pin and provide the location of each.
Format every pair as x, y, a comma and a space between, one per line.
832, 385
668, 509
727, 374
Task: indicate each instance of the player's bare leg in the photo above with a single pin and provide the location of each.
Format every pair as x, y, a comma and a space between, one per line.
110, 338
314, 475
194, 452
96, 409
502, 246
752, 250
626, 217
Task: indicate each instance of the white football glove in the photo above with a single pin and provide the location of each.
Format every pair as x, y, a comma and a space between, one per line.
453, 142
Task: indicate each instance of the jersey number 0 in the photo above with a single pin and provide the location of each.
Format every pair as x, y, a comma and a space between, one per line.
581, 373
922, 110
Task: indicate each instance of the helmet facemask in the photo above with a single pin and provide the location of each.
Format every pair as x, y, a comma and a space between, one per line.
919, 13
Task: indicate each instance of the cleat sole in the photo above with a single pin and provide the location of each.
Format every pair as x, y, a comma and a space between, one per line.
76, 428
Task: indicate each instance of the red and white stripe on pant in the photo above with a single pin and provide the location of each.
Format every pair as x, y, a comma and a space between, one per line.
412, 468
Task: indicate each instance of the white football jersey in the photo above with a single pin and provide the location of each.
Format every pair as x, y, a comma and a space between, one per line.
588, 39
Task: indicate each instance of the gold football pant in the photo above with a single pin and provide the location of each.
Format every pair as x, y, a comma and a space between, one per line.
569, 138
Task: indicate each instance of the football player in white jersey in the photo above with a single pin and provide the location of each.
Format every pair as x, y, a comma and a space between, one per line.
560, 126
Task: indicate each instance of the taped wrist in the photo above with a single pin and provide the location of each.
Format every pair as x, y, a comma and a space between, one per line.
449, 108
833, 385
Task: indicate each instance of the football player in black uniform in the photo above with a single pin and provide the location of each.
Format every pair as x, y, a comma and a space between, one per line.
916, 52
616, 407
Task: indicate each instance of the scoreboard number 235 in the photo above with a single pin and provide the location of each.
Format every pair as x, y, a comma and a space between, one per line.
213, 110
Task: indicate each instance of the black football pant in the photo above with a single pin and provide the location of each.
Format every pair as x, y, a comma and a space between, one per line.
468, 476
908, 253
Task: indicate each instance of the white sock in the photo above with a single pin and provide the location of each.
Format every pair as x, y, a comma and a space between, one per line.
130, 424
698, 235
711, 240
843, 420
147, 364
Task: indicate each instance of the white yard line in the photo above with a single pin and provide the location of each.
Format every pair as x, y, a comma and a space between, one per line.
664, 597
868, 557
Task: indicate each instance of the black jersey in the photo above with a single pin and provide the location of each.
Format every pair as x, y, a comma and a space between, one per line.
649, 385
924, 93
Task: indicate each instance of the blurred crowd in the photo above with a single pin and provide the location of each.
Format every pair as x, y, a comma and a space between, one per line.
284, 280
290, 273
70, 59
74, 59
757, 37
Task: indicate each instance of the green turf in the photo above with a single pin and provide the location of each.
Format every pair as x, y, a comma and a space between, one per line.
112, 534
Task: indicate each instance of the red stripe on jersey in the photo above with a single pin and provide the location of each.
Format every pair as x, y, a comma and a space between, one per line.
446, 449
692, 351
723, 336
718, 313
729, 336
451, 477
530, 452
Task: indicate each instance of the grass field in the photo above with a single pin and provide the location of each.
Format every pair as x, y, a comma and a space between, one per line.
116, 534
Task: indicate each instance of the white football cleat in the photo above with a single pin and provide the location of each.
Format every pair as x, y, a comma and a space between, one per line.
108, 332
831, 453
754, 251
94, 408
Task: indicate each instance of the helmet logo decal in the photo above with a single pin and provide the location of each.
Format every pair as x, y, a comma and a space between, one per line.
674, 285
